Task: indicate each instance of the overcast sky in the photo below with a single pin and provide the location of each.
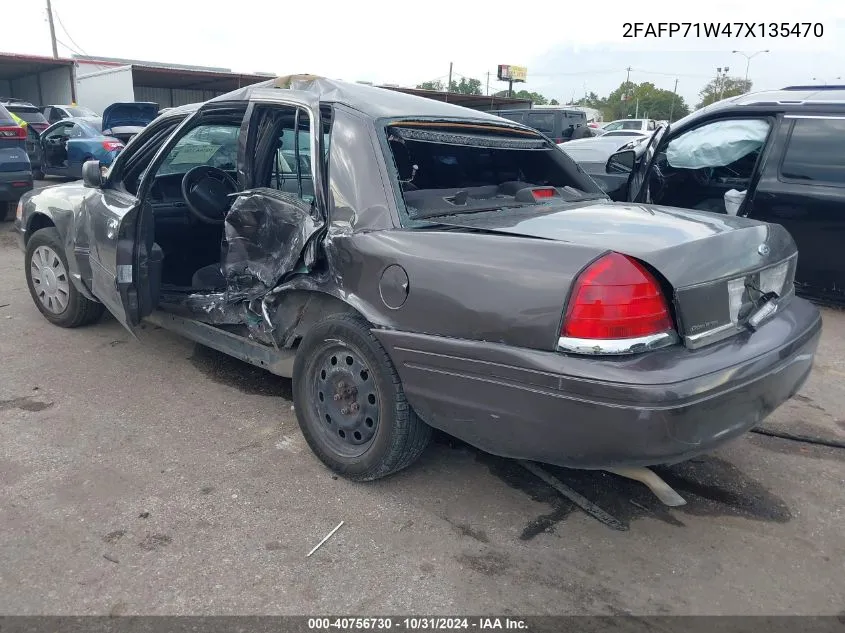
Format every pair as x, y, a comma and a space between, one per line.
567, 47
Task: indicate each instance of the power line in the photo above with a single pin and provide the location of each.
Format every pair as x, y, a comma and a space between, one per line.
70, 48
61, 24
654, 72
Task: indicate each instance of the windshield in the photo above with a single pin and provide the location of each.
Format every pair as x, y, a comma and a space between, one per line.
28, 114
215, 145
5, 117
80, 111
93, 126
449, 173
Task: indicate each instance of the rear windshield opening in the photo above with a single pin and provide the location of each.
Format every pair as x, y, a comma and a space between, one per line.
445, 173
30, 115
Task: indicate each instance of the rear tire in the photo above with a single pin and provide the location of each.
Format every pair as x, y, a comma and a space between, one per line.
50, 285
350, 403
37, 174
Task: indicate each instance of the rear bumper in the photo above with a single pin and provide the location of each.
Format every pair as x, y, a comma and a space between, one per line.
13, 184
661, 407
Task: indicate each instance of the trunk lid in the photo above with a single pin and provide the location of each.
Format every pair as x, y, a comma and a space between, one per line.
712, 262
128, 118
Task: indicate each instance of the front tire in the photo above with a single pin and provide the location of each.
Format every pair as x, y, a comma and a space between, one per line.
350, 403
50, 285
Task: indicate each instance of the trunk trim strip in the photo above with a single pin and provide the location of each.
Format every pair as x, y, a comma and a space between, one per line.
615, 347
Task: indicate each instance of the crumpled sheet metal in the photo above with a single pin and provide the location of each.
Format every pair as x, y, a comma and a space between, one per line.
266, 232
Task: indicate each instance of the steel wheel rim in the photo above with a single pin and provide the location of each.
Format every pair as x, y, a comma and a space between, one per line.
50, 279
346, 398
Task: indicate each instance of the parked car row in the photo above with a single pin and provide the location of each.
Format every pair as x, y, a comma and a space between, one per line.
15, 168
57, 140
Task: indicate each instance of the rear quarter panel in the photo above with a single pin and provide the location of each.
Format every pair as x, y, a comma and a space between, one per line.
475, 286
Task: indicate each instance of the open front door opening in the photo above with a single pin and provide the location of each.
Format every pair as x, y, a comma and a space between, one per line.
264, 231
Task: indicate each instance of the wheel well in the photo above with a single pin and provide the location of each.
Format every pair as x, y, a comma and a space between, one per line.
298, 310
36, 223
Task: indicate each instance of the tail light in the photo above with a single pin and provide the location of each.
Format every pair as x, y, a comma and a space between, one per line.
541, 193
110, 146
614, 298
13, 132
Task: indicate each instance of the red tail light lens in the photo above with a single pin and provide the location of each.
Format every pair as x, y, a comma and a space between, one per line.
13, 132
540, 194
616, 298
110, 146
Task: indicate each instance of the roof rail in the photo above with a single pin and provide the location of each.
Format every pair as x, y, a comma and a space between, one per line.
814, 87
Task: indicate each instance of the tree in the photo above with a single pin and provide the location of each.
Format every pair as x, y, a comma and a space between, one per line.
645, 99
554, 102
431, 85
723, 87
466, 86
535, 97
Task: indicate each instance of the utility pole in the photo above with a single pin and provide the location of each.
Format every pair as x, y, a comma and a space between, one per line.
628, 76
637, 111
52, 29
488, 83
449, 85
674, 97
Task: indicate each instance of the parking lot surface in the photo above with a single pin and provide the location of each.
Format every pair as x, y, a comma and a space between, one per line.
155, 476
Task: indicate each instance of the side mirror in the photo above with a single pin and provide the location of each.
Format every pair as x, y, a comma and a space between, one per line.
621, 162
92, 175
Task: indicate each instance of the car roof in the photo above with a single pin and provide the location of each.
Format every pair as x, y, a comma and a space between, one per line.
543, 109
794, 95
792, 99
84, 119
370, 100
18, 103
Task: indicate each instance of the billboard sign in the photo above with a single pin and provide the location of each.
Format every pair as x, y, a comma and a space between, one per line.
515, 74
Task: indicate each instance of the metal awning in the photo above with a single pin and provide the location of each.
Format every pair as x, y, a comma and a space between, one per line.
13, 66
179, 78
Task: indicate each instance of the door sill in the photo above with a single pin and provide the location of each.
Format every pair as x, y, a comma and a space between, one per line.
276, 361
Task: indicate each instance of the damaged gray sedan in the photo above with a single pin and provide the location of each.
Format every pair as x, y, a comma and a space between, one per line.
412, 264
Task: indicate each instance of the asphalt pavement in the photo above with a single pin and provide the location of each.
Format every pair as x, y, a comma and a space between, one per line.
155, 476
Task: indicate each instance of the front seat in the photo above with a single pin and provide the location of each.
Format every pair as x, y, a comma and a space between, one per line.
209, 278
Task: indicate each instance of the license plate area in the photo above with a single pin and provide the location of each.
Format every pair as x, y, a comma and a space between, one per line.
711, 312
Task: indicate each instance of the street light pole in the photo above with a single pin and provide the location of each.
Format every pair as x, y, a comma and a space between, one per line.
748, 59
723, 78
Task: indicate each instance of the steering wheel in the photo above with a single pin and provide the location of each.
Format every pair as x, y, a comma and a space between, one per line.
206, 191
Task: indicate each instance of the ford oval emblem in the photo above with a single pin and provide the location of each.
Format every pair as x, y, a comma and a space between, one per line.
763, 249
